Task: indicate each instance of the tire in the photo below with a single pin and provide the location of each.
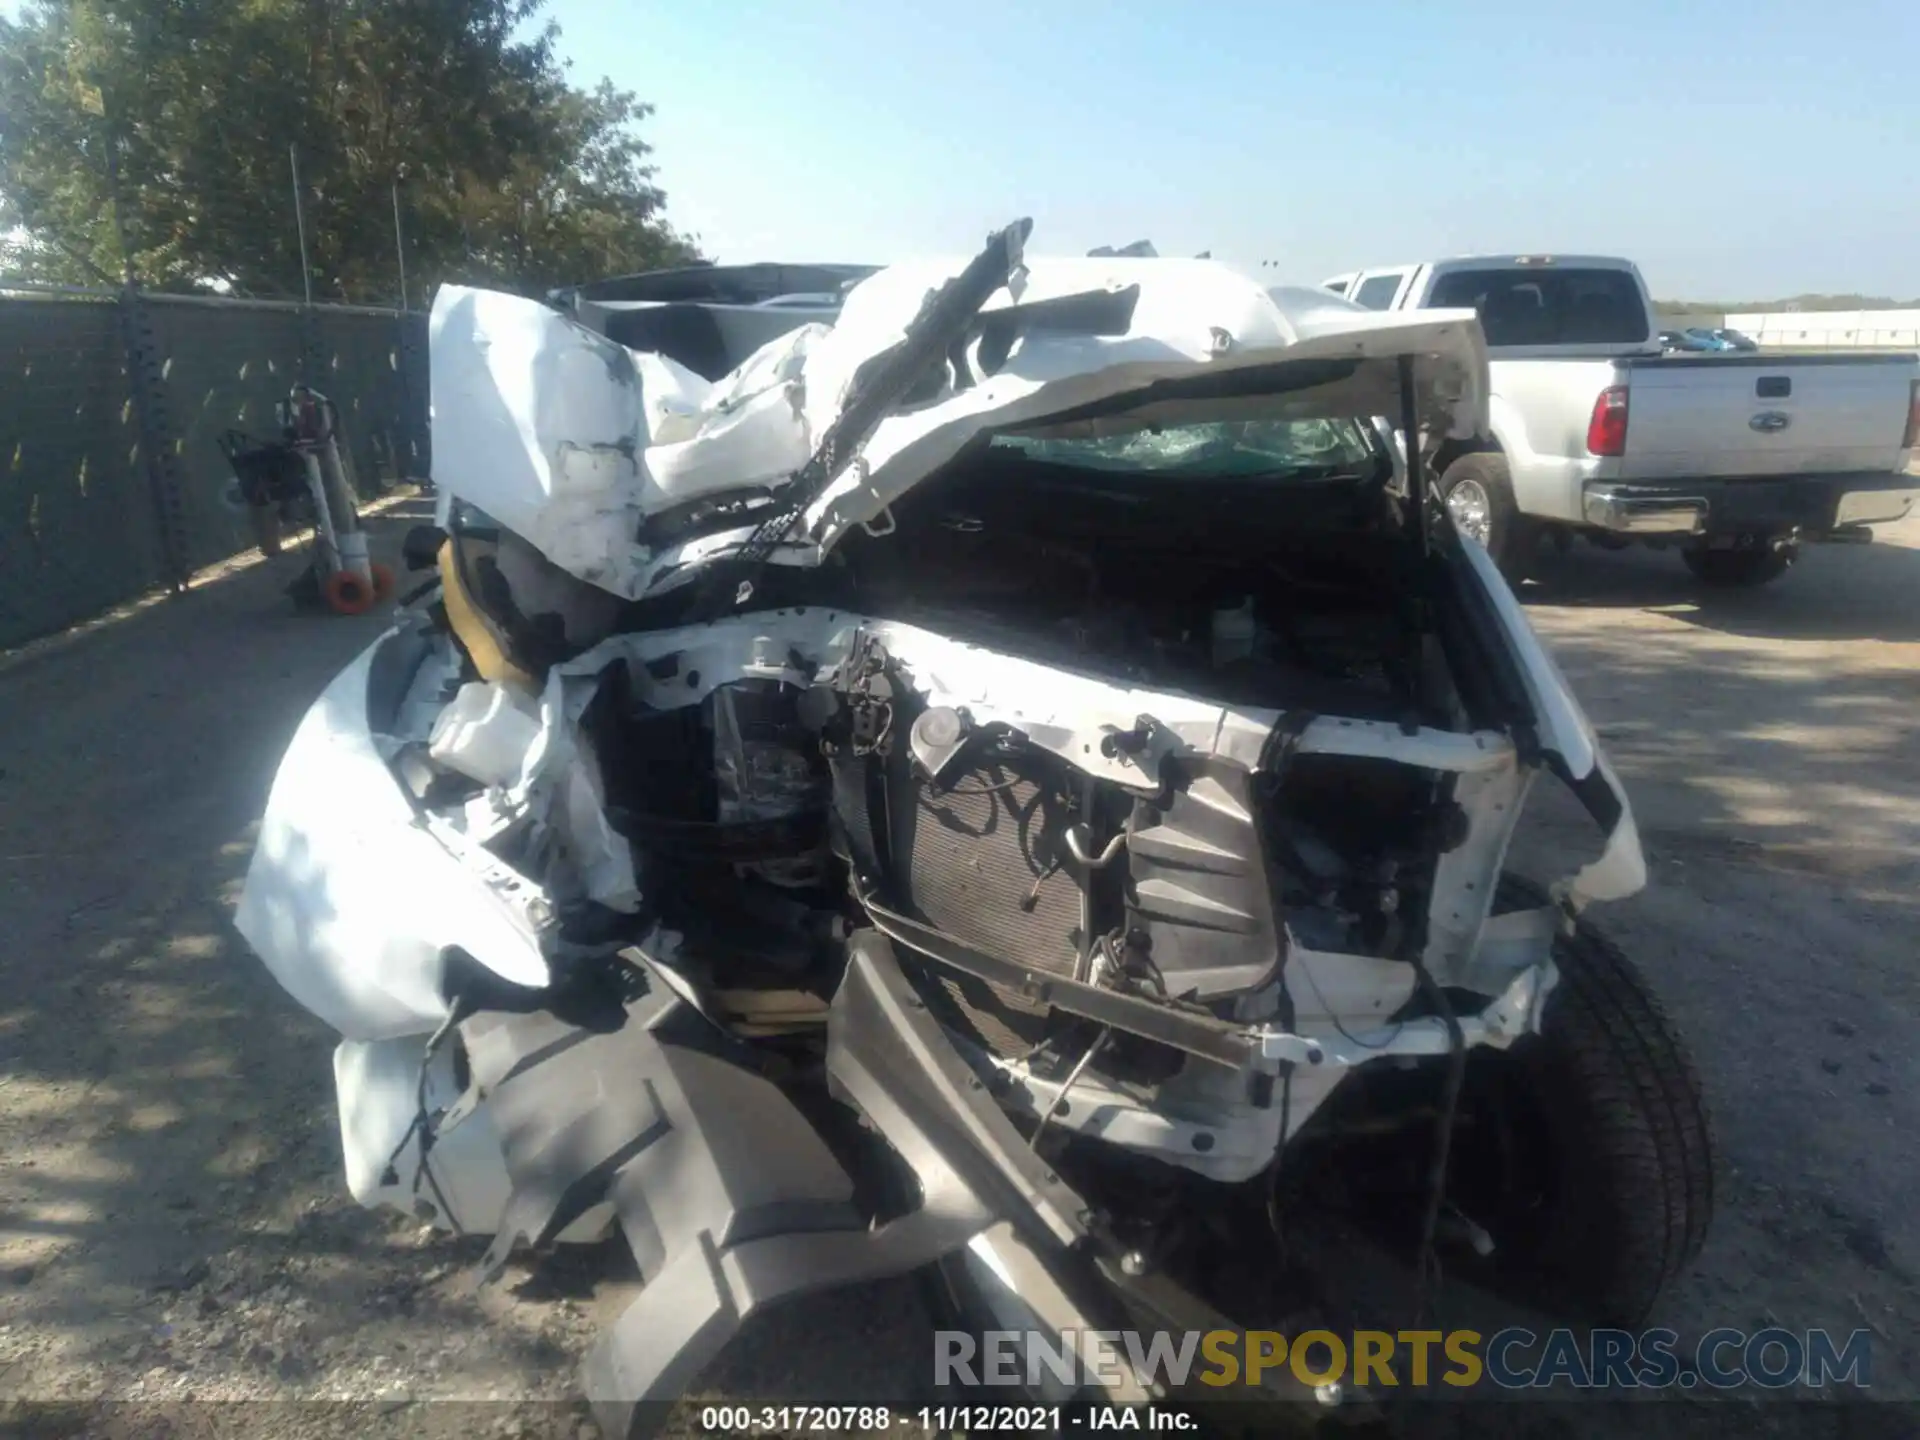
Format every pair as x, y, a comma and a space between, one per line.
384, 583
1623, 1140
1739, 569
1510, 538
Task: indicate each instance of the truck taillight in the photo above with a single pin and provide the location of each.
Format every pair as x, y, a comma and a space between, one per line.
1607, 430
1911, 440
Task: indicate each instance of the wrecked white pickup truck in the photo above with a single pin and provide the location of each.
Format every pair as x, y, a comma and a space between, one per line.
1011, 781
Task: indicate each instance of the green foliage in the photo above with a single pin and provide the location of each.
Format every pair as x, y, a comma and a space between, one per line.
185, 109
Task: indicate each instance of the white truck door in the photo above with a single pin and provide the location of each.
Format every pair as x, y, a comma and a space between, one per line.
1378, 289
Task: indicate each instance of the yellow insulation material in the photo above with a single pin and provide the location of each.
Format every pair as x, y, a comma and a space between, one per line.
471, 629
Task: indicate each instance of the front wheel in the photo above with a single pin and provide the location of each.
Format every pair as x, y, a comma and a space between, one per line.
1604, 1158
1739, 569
1477, 490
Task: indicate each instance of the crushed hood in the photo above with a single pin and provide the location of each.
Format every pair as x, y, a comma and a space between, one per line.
575, 443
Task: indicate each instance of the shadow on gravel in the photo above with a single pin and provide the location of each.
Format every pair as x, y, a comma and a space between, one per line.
174, 1225
171, 1214
1730, 746
1770, 744
1834, 592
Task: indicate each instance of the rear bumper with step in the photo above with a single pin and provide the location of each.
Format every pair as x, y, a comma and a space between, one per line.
1813, 505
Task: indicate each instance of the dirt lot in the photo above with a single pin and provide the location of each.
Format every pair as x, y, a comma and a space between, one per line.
173, 1224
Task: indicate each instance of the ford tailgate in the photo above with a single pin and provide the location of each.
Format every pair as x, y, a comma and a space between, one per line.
1736, 416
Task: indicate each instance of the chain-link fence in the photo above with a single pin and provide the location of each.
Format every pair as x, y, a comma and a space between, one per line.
112, 407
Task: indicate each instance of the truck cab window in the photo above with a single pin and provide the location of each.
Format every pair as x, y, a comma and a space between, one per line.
1376, 292
1555, 307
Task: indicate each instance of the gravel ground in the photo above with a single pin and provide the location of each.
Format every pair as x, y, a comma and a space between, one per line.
174, 1228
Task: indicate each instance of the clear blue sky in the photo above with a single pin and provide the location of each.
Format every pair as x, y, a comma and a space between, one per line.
1737, 150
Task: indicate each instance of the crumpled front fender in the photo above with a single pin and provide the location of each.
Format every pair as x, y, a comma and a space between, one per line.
350, 901
1568, 739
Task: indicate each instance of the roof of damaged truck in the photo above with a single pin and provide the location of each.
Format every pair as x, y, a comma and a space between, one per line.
752, 284
573, 441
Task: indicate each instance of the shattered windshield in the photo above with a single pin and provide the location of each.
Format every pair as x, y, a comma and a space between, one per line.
1281, 448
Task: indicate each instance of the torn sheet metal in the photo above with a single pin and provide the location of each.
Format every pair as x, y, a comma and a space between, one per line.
573, 441
1620, 869
1564, 729
1567, 737
559, 787
536, 420
746, 430
600, 856
350, 902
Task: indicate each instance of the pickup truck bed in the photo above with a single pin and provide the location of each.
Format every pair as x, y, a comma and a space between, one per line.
1736, 458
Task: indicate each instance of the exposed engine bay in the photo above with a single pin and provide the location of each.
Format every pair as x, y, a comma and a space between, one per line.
1040, 712
983, 732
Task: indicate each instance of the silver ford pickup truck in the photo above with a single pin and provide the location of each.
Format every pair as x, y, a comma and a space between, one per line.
1735, 459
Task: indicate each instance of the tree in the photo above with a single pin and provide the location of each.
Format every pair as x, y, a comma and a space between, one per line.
184, 111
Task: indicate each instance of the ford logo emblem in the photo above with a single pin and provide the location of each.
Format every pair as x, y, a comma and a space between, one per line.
1770, 422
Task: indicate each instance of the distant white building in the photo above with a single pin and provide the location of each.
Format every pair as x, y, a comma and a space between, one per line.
1832, 329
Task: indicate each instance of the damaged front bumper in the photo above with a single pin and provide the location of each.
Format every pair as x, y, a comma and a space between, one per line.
730, 1199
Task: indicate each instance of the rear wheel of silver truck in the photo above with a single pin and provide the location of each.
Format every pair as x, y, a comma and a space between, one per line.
1742, 569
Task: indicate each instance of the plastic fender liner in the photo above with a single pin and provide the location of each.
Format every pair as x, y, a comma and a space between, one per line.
729, 1200
723, 1190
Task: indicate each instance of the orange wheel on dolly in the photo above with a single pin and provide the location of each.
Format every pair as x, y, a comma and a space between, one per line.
346, 593
383, 582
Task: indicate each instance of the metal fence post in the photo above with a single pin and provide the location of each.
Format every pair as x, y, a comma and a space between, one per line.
313, 350
147, 387
414, 427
